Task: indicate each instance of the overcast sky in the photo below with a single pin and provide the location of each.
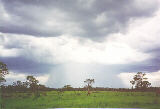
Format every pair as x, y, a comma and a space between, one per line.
67, 41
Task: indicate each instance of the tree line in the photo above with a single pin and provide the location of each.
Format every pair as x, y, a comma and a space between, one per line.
139, 83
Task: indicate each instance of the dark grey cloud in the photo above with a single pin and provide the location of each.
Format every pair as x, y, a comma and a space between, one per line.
150, 65
28, 66
29, 16
26, 30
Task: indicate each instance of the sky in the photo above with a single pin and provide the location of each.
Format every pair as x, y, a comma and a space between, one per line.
64, 42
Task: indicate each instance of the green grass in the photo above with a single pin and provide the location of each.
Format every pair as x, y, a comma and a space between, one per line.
70, 99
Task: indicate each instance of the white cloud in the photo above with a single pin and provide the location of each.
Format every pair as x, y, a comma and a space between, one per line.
66, 49
154, 78
126, 78
15, 77
22, 77
142, 34
43, 79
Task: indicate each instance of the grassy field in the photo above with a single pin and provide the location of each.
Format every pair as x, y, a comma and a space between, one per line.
100, 99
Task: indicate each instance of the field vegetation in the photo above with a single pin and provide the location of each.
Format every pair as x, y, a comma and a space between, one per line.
30, 94
78, 99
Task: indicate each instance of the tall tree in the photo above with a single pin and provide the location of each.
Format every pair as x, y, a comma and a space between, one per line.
140, 81
3, 72
89, 83
33, 84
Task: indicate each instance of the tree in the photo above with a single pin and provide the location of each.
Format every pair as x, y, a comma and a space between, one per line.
20, 86
3, 72
33, 84
68, 87
25, 85
89, 83
140, 81
17, 85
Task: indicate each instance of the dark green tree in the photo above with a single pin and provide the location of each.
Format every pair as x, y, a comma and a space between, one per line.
140, 81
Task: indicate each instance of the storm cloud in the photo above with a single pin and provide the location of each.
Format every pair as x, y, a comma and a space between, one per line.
64, 42
91, 19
